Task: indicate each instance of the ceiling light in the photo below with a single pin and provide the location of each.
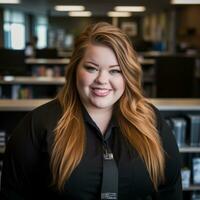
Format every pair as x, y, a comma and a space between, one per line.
130, 8
9, 1
185, 1
119, 14
80, 14
69, 8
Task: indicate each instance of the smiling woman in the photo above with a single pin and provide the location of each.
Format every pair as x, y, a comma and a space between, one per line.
100, 138
98, 77
99, 82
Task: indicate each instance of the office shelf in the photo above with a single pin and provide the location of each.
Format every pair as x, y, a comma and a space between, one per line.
21, 104
57, 61
30, 80
177, 104
161, 104
192, 188
61, 61
189, 149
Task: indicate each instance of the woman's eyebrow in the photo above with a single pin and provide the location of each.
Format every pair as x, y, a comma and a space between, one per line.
92, 63
111, 66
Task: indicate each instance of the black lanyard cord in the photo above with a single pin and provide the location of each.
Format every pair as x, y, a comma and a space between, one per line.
109, 188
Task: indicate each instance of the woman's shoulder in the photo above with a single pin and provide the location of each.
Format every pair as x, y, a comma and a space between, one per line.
47, 114
53, 106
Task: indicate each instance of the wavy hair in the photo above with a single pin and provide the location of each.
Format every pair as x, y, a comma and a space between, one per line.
134, 112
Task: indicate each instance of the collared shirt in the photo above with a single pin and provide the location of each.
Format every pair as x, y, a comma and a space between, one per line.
26, 172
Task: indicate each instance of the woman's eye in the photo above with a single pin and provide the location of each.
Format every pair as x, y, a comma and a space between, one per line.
90, 68
115, 71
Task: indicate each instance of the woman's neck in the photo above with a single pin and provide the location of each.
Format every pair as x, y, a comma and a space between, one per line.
101, 117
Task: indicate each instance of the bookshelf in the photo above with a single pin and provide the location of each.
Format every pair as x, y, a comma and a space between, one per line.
149, 76
39, 66
54, 67
181, 109
44, 77
29, 87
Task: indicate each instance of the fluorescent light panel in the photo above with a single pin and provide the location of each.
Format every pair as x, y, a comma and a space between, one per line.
69, 8
130, 8
80, 14
119, 14
185, 1
9, 1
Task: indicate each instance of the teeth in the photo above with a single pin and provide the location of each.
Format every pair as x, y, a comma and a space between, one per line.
101, 91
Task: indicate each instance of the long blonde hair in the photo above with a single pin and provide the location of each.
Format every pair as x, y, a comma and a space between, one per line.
136, 115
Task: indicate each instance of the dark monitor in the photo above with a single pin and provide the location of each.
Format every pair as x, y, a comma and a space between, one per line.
142, 45
12, 62
175, 76
46, 53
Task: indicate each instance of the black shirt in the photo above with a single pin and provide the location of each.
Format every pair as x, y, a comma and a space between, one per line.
26, 173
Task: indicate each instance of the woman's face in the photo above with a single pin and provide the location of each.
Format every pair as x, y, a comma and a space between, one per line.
99, 80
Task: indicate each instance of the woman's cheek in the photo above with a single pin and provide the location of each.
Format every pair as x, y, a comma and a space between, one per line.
84, 78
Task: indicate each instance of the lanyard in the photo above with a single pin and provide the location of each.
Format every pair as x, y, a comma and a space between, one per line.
109, 188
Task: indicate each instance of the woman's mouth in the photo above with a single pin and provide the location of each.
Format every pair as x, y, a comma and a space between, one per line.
101, 92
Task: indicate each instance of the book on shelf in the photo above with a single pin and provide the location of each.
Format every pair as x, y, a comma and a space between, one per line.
1, 93
178, 126
21, 92
2, 149
2, 140
43, 70
195, 195
15, 91
194, 129
1, 166
39, 70
185, 177
196, 170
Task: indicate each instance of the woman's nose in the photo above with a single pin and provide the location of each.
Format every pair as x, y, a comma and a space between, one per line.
102, 77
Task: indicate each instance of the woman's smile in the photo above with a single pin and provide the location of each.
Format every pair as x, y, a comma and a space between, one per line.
100, 92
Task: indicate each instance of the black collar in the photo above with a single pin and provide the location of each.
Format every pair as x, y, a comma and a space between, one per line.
87, 119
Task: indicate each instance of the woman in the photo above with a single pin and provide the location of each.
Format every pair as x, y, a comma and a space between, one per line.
100, 138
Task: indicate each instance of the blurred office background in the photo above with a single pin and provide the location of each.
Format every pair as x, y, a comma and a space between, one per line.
152, 25
36, 42
164, 33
